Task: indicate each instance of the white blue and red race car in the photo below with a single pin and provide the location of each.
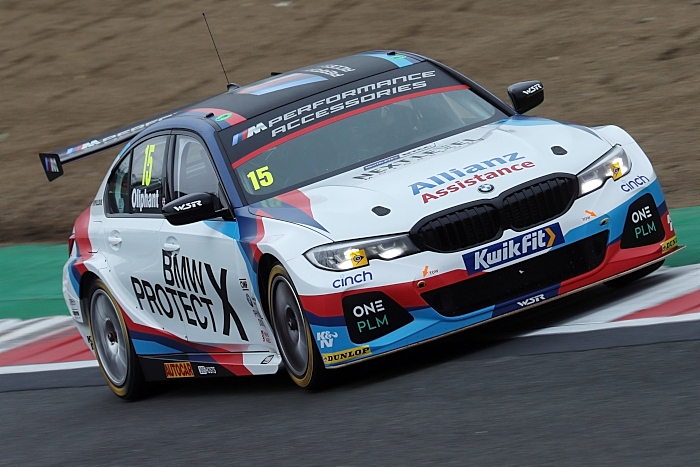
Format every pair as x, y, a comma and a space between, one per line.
342, 211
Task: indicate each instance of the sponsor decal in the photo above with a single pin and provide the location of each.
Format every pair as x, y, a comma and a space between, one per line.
185, 297
533, 88
531, 300
428, 272
267, 360
75, 309
121, 134
634, 184
358, 258
408, 157
334, 71
189, 205
178, 370
205, 370
369, 316
350, 279
514, 249
141, 199
322, 108
325, 338
251, 300
503, 165
345, 355
90, 343
589, 215
669, 244
223, 117
616, 170
97, 202
670, 222
51, 165
642, 224
244, 284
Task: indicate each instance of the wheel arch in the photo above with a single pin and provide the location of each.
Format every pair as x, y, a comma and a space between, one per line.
265, 264
86, 282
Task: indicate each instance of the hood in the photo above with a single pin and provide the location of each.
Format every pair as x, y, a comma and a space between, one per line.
391, 195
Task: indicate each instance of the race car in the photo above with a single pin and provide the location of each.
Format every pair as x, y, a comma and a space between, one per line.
342, 211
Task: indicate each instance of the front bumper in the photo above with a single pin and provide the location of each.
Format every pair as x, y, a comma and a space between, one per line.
390, 305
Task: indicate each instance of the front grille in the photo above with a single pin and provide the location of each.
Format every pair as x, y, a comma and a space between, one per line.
520, 279
458, 230
480, 222
539, 202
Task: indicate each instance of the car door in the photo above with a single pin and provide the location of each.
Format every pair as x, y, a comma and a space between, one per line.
130, 233
202, 261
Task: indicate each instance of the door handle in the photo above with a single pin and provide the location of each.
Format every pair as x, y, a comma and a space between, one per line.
114, 240
170, 246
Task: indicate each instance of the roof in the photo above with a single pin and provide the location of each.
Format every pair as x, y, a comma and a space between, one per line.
262, 96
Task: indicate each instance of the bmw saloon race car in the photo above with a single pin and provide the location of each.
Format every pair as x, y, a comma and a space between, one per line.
342, 211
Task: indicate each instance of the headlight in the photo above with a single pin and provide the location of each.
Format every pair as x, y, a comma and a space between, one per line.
357, 253
614, 164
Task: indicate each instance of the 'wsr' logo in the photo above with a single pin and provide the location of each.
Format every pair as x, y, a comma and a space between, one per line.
518, 247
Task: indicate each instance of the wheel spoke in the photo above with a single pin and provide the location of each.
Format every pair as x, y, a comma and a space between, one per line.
110, 341
290, 326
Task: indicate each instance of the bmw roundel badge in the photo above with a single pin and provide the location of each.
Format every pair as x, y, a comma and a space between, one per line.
485, 188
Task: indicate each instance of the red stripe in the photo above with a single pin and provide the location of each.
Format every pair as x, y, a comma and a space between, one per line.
689, 303
315, 126
234, 119
82, 237
65, 346
297, 199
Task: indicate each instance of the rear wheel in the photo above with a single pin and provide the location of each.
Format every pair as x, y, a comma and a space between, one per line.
110, 338
297, 346
633, 276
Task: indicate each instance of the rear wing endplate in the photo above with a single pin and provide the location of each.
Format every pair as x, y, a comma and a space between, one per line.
52, 162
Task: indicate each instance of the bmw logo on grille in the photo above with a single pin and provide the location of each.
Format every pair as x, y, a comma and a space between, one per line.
486, 188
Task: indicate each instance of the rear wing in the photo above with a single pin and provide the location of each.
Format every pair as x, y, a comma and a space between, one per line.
52, 162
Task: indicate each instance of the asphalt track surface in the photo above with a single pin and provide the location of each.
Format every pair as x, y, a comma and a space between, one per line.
624, 396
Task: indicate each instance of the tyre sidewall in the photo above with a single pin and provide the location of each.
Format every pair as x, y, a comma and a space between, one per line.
315, 365
134, 382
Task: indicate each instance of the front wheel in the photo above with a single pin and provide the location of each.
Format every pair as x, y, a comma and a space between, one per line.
297, 346
110, 338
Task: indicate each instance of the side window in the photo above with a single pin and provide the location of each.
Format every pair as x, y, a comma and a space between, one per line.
193, 171
147, 176
118, 189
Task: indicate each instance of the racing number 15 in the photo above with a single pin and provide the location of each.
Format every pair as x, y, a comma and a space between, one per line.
260, 177
148, 165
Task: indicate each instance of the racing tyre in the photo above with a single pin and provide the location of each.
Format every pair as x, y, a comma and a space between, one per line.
112, 345
633, 276
293, 333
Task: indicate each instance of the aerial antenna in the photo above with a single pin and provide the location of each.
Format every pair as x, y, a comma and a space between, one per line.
228, 83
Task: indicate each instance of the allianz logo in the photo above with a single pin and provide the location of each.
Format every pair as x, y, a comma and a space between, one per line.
532, 300
350, 279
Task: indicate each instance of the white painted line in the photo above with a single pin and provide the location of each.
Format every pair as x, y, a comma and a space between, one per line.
676, 282
9, 370
574, 328
33, 329
8, 324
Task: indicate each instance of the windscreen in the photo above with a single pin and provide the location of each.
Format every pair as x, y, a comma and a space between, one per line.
352, 126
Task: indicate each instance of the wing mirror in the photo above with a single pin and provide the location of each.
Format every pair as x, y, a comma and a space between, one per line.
191, 208
526, 95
